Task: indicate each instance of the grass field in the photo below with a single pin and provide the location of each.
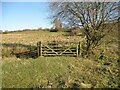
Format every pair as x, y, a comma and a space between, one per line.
32, 37
58, 72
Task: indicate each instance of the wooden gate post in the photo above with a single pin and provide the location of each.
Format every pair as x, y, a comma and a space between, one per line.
81, 50
39, 48
77, 50
38, 51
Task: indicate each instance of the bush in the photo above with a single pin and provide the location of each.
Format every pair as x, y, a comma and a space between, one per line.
53, 30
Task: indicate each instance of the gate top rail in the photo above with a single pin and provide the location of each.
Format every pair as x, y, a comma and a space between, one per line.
75, 42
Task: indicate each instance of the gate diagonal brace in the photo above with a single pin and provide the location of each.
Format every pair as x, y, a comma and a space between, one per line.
65, 51
51, 49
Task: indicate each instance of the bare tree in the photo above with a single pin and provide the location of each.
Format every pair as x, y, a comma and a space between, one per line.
94, 17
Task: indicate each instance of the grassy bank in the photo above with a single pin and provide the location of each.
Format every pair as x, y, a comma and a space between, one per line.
61, 72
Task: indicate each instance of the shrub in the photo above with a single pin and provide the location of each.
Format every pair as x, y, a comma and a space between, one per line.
53, 30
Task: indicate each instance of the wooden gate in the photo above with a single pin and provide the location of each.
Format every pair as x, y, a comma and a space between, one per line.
57, 48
